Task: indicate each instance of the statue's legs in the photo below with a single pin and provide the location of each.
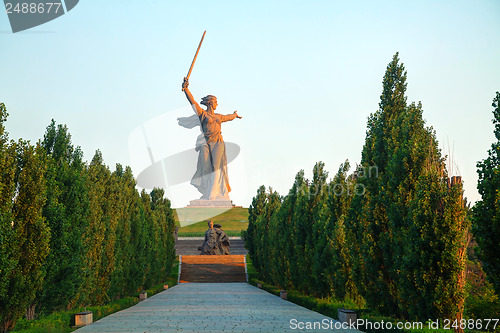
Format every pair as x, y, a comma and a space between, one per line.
219, 188
202, 178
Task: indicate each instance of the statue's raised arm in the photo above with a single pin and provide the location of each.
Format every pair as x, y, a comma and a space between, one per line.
192, 101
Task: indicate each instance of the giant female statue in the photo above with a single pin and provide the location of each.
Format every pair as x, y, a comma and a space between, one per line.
211, 177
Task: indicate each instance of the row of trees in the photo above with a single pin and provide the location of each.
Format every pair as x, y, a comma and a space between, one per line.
392, 234
74, 233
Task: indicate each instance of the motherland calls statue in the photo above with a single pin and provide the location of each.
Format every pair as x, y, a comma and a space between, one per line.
211, 177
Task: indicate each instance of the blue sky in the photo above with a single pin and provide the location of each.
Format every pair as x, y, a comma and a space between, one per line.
305, 75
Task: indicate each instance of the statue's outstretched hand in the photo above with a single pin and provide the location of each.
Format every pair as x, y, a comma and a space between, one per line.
185, 84
237, 115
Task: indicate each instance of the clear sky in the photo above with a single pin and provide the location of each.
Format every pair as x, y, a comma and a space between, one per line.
305, 75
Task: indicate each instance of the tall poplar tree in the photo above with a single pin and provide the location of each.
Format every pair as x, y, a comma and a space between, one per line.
165, 242
95, 233
8, 245
255, 209
30, 231
317, 215
284, 233
410, 223
261, 211
300, 223
335, 252
66, 211
486, 225
372, 226
273, 203
126, 195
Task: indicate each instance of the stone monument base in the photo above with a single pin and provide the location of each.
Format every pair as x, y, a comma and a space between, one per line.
220, 203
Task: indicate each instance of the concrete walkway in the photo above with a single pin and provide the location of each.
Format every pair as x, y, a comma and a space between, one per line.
211, 307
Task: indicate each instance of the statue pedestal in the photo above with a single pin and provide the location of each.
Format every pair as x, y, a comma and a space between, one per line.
200, 203
203, 210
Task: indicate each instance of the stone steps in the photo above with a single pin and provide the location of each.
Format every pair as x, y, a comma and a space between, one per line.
212, 269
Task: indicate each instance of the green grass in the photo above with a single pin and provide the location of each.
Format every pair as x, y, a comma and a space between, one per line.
61, 322
230, 220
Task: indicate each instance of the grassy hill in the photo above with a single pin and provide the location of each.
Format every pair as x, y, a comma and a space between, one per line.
232, 221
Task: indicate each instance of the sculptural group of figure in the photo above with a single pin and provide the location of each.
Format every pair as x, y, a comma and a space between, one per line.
216, 241
211, 177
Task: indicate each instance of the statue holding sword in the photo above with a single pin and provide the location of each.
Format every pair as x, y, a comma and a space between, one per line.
211, 177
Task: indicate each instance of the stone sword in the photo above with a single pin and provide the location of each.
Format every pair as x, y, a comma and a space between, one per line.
194, 59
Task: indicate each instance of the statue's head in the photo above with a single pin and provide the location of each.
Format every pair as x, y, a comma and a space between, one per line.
210, 224
209, 100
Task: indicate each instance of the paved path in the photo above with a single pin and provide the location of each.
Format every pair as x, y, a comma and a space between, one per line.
209, 307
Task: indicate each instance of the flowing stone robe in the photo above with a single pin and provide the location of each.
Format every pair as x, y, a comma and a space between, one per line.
211, 177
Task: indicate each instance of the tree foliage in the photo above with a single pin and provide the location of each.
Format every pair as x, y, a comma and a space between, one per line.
66, 211
30, 234
392, 234
486, 225
74, 234
413, 220
7, 191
